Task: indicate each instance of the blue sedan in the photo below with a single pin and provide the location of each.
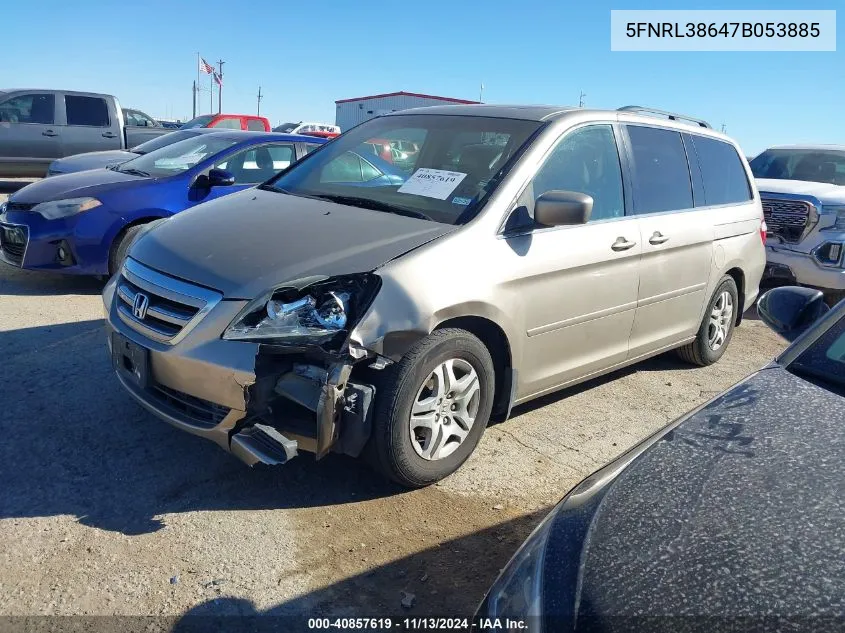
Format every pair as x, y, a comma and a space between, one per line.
83, 223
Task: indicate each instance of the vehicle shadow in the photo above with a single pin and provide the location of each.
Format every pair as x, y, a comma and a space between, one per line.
27, 283
75, 443
446, 581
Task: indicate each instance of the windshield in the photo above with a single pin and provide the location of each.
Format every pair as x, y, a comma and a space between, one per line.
813, 165
200, 121
178, 157
286, 127
458, 163
824, 361
162, 141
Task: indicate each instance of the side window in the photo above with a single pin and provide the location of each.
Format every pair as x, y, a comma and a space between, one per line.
143, 120
228, 124
587, 161
661, 180
89, 111
368, 171
724, 177
28, 109
129, 118
310, 147
255, 125
258, 164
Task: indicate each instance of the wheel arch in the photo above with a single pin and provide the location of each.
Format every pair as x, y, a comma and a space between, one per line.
738, 275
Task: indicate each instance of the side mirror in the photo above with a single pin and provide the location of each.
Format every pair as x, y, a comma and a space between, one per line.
791, 310
220, 178
559, 208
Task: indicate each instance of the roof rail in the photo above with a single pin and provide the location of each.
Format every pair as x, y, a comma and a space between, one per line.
672, 116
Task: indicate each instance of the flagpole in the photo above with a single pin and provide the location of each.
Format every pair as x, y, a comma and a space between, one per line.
197, 91
211, 92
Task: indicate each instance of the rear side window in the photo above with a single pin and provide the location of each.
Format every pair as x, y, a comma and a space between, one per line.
90, 111
255, 125
228, 124
28, 109
310, 147
661, 174
724, 176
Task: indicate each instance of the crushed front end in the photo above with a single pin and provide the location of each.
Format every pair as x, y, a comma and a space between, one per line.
263, 379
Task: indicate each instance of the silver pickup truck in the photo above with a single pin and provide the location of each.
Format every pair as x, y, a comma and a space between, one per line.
39, 126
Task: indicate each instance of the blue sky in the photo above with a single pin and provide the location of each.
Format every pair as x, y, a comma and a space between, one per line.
307, 55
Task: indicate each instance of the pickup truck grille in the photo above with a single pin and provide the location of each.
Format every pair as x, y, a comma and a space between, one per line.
160, 307
787, 219
13, 240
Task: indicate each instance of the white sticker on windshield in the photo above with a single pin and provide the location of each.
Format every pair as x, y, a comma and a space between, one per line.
432, 183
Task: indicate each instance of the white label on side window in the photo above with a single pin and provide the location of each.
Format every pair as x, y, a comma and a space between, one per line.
432, 183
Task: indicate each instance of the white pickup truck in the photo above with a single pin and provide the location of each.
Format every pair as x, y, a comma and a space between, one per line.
802, 188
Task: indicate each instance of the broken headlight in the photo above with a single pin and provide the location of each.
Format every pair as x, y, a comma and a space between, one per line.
315, 314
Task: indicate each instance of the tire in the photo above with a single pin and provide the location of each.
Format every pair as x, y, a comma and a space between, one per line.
398, 453
120, 247
700, 351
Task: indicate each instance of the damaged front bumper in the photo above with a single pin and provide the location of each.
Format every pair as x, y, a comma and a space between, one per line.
262, 403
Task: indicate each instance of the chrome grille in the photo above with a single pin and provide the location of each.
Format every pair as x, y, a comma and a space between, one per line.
787, 219
160, 307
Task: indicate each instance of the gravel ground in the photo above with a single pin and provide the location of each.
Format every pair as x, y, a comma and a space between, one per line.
106, 510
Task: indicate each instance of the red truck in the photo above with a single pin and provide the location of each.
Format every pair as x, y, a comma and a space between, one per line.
230, 122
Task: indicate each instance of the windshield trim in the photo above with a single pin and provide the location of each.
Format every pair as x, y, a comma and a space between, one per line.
474, 209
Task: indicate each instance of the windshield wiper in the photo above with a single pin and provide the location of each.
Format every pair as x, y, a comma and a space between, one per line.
375, 205
134, 172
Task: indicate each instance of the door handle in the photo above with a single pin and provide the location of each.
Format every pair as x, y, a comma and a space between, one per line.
109, 135
621, 244
49, 133
658, 238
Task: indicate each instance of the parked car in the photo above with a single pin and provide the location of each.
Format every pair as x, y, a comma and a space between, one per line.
83, 223
727, 519
326, 130
136, 118
172, 125
229, 122
803, 192
39, 126
413, 312
99, 160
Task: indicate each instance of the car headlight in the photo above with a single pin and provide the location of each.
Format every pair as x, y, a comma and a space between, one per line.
839, 210
517, 593
64, 208
319, 313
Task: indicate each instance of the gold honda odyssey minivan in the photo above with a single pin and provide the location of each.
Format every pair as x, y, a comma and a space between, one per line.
390, 305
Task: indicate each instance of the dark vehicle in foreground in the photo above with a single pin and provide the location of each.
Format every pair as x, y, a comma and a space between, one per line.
39, 126
83, 223
109, 158
726, 520
339, 305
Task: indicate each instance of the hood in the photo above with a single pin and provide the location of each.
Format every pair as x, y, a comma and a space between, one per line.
827, 193
743, 495
91, 160
248, 242
77, 185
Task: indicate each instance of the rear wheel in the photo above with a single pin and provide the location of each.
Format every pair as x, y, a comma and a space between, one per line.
120, 247
432, 408
716, 328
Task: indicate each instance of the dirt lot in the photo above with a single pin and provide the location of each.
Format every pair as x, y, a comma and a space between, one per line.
106, 510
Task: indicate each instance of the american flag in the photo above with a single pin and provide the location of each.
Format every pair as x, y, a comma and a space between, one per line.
205, 67
218, 79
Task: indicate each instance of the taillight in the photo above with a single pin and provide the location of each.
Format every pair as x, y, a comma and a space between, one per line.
763, 230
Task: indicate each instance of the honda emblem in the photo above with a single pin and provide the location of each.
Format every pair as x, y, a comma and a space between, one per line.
140, 306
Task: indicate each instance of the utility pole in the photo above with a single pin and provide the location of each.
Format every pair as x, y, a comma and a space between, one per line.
220, 63
259, 101
481, 92
581, 99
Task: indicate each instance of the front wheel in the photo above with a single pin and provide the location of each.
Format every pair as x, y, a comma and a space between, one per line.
120, 247
717, 328
432, 408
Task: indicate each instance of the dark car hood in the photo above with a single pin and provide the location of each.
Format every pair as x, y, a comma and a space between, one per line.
248, 242
91, 160
736, 512
83, 183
